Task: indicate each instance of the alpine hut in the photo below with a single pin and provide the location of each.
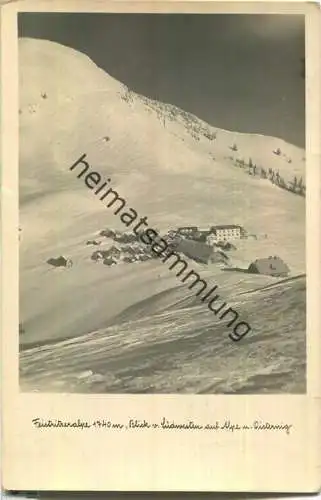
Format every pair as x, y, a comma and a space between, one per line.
60, 261
272, 266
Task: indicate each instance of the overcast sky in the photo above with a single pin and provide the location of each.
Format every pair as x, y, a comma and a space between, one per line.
238, 72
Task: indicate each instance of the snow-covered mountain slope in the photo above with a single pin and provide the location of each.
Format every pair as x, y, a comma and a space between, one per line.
167, 164
153, 166
183, 350
148, 140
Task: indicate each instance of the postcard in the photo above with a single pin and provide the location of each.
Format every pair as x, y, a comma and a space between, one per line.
161, 246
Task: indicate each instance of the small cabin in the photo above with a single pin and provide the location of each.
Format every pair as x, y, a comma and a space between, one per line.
109, 261
271, 266
113, 252
188, 231
107, 233
60, 261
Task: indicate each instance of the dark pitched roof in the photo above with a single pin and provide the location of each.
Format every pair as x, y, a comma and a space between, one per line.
226, 226
271, 265
195, 250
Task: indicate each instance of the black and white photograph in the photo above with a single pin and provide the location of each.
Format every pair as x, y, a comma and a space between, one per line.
162, 203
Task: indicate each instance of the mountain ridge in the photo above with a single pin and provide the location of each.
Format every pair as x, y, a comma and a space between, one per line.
125, 89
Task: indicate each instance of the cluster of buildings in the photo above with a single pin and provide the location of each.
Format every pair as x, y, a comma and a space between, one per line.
127, 254
211, 236
202, 245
